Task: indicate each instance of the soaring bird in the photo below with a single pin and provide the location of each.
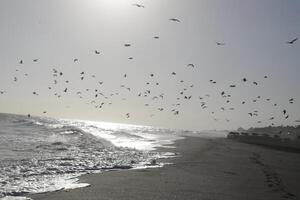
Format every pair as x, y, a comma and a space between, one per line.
220, 43
35, 60
127, 45
97, 52
284, 111
138, 5
191, 65
75, 60
127, 115
174, 20
173, 73
156, 37
255, 83
292, 41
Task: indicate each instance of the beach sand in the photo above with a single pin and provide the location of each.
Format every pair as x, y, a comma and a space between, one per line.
206, 169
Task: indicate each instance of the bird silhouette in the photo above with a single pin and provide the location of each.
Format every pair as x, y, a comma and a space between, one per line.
138, 5
220, 43
191, 65
174, 20
292, 41
97, 52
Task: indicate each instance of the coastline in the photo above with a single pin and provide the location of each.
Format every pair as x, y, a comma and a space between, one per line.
206, 168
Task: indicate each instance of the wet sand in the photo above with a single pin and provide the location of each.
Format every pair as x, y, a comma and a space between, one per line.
208, 169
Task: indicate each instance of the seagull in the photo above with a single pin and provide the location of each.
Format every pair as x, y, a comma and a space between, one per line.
284, 111
232, 86
255, 83
127, 115
138, 5
35, 60
292, 41
127, 45
156, 37
191, 65
174, 20
220, 43
130, 58
173, 73
75, 60
97, 52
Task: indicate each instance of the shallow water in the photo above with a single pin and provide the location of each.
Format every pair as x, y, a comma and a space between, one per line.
43, 154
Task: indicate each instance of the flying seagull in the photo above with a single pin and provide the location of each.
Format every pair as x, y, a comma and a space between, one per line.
174, 20
97, 52
292, 41
138, 5
191, 65
220, 43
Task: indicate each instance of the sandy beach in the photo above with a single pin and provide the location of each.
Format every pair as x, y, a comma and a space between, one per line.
208, 169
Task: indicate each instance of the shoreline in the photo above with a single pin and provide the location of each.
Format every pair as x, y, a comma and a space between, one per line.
205, 168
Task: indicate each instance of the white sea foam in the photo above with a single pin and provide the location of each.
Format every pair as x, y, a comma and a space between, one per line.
42, 155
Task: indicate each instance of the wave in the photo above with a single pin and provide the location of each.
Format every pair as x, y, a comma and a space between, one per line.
43, 154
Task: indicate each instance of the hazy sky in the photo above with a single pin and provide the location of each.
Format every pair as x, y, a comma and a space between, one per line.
56, 32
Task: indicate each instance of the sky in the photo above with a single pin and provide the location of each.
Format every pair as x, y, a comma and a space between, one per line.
56, 32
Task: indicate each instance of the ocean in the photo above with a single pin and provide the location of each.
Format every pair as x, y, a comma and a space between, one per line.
39, 154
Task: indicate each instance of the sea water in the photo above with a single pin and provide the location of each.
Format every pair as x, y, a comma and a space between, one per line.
44, 154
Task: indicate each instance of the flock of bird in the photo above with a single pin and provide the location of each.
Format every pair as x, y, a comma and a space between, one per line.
98, 98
